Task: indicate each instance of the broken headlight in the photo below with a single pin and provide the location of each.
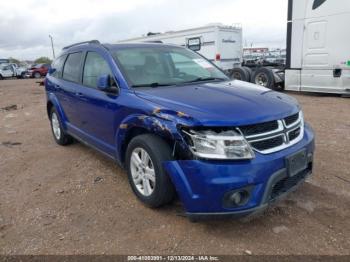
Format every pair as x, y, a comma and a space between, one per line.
218, 145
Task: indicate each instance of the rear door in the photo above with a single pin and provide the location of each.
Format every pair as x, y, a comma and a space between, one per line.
68, 89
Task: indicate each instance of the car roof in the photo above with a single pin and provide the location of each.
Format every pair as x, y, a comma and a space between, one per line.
133, 45
112, 47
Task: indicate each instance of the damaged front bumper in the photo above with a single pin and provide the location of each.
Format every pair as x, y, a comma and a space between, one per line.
203, 185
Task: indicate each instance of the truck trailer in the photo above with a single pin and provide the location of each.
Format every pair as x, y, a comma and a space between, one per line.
219, 43
317, 53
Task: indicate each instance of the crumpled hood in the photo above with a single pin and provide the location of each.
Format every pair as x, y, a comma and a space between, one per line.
225, 103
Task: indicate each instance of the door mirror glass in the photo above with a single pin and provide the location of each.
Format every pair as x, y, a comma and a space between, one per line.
104, 82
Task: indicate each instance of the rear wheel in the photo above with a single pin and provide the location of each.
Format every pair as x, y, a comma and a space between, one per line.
264, 77
249, 71
144, 161
37, 75
240, 73
59, 135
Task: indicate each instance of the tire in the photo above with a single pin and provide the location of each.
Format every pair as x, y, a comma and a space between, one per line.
59, 135
161, 191
264, 76
249, 71
240, 73
37, 75
1, 78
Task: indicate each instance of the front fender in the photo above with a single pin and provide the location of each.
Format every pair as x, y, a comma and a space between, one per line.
153, 124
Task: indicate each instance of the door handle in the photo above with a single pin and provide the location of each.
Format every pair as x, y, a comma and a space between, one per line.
79, 94
57, 87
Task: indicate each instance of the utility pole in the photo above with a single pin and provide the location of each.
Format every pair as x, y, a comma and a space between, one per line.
53, 50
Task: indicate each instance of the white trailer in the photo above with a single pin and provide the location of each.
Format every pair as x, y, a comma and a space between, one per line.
318, 49
218, 43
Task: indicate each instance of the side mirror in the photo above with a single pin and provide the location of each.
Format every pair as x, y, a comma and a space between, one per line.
51, 70
104, 82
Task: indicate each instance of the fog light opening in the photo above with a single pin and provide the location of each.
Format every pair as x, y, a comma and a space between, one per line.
238, 198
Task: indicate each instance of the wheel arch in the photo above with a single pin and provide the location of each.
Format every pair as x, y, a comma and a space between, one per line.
142, 124
52, 102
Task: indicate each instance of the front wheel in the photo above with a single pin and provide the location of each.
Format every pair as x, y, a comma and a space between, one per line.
144, 161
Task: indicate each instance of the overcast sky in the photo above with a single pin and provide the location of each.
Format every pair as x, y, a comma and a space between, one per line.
26, 24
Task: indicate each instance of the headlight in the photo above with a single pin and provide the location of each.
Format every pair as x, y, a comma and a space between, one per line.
219, 145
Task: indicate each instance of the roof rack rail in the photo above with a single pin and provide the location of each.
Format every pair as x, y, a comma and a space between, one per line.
153, 41
81, 43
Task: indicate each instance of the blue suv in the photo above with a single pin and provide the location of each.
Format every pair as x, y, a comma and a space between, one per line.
180, 126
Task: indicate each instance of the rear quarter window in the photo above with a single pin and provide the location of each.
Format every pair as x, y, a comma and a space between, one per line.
71, 70
58, 66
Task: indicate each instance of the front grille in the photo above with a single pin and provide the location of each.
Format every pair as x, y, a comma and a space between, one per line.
268, 143
285, 184
294, 134
259, 128
275, 135
291, 119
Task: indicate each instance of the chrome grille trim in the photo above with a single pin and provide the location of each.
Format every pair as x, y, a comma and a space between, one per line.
278, 130
282, 130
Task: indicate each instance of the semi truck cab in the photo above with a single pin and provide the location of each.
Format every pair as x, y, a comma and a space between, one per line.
318, 50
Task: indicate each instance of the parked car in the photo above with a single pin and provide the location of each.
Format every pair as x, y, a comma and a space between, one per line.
5, 71
180, 126
39, 70
12, 70
18, 71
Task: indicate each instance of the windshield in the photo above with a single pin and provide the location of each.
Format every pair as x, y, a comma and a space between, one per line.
161, 66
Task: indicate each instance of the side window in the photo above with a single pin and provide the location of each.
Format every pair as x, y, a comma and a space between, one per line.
58, 65
317, 3
95, 66
72, 67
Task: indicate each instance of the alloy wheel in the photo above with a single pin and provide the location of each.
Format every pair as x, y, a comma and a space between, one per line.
56, 126
142, 171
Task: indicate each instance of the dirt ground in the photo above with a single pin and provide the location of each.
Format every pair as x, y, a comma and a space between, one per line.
73, 200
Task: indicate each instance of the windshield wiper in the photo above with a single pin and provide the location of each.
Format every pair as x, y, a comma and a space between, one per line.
155, 84
199, 79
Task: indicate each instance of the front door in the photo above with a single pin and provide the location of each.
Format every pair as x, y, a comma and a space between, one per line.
98, 110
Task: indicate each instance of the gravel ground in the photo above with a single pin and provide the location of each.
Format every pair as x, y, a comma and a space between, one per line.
72, 200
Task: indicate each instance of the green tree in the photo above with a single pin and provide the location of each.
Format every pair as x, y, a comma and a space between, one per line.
43, 60
14, 60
